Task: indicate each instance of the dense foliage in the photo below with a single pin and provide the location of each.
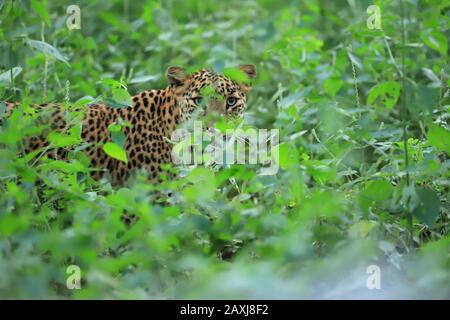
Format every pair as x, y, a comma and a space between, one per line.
364, 152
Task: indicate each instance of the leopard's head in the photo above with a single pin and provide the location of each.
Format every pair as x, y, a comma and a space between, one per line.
206, 91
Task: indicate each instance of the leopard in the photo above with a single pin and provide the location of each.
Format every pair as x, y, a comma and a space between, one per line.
153, 116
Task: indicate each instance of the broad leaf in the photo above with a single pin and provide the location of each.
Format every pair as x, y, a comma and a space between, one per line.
386, 93
115, 151
41, 10
439, 137
428, 207
6, 76
61, 140
375, 194
47, 49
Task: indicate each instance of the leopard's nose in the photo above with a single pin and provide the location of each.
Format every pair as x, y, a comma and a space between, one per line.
216, 105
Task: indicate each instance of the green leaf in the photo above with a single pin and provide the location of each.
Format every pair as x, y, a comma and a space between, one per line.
121, 96
61, 140
332, 85
114, 127
432, 76
2, 109
6, 76
288, 155
112, 83
47, 49
114, 104
356, 61
428, 207
84, 100
202, 175
361, 228
436, 41
118, 137
115, 151
69, 167
427, 99
209, 92
11, 224
236, 74
439, 137
204, 185
387, 93
375, 194
41, 10
144, 78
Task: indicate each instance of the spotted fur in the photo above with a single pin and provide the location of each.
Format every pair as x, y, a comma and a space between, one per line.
153, 114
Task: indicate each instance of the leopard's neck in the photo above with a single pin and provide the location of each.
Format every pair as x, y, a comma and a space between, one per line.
159, 106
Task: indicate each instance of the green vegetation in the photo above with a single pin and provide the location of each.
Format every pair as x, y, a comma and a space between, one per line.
364, 152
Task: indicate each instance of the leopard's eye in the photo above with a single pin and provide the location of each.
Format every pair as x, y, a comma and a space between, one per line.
231, 101
197, 101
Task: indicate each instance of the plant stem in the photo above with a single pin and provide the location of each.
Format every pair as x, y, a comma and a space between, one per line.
45, 64
10, 54
403, 114
11, 73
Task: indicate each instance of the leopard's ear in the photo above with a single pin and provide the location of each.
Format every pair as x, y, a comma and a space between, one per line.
250, 71
176, 75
